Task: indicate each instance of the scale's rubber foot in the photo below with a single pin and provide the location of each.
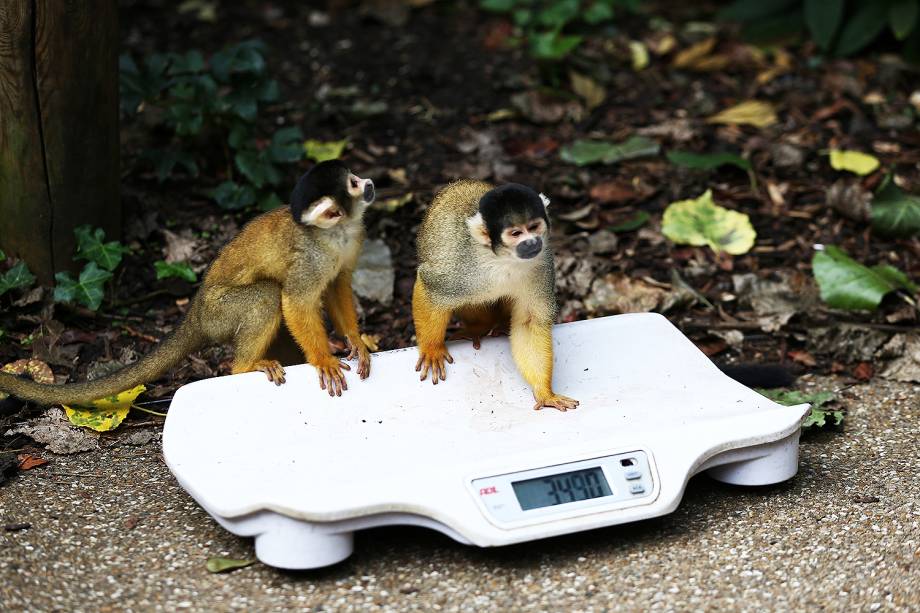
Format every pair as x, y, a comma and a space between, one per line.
760, 465
296, 544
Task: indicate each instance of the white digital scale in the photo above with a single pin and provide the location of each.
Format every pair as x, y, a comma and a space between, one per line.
301, 471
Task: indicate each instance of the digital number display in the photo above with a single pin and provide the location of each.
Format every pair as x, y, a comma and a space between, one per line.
562, 488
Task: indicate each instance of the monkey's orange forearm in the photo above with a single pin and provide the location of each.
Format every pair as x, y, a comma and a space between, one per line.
340, 304
305, 322
532, 349
430, 321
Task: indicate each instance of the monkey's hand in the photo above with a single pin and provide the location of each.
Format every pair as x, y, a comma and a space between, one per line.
357, 349
556, 401
433, 360
272, 369
330, 374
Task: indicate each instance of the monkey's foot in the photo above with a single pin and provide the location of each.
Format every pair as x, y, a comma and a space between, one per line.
433, 360
330, 374
272, 369
358, 349
561, 403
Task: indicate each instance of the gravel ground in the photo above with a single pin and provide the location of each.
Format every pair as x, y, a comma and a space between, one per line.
112, 530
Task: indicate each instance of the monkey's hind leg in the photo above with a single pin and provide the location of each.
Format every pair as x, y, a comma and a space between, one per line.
256, 311
430, 330
532, 349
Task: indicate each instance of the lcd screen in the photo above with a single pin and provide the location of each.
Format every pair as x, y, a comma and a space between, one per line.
562, 488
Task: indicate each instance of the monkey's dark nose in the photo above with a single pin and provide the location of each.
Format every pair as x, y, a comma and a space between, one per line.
529, 248
369, 191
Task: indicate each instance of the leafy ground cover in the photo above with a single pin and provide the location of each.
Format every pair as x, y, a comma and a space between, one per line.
764, 198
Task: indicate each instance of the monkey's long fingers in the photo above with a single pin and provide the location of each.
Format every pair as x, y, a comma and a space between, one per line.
560, 403
364, 365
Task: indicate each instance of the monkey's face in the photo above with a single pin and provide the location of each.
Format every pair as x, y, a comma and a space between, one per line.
512, 221
329, 193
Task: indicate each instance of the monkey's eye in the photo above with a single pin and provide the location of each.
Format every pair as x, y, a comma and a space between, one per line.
534, 227
516, 233
354, 182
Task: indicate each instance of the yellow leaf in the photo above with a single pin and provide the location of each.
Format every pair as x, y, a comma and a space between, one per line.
320, 151
701, 221
690, 56
106, 413
391, 204
639, 55
753, 112
501, 115
588, 90
856, 162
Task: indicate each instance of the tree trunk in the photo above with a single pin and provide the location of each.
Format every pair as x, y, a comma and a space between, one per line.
59, 165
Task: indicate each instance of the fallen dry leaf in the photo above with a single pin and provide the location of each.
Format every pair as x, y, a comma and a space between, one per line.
751, 112
589, 90
863, 371
802, 357
610, 192
28, 461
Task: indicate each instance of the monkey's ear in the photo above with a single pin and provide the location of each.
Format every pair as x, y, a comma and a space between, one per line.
324, 213
478, 230
544, 199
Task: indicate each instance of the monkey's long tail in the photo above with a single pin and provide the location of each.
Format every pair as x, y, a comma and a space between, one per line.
172, 350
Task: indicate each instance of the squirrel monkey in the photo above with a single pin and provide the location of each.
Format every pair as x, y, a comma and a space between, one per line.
284, 265
483, 254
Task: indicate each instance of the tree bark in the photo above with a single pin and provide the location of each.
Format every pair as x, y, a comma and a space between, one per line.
59, 146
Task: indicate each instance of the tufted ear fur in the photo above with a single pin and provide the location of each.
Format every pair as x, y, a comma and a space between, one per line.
478, 230
324, 213
544, 199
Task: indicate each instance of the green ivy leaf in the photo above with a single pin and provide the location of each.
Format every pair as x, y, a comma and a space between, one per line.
180, 270
497, 6
285, 146
552, 45
629, 225
88, 290
584, 152
16, 277
896, 213
91, 246
2, 255
598, 12
256, 167
818, 416
862, 28
232, 196
166, 160
701, 221
823, 18
902, 17
847, 284
708, 161
269, 202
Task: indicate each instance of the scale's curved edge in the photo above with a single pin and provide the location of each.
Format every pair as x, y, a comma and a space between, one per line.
252, 521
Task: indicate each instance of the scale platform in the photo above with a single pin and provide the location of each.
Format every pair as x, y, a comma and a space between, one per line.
469, 457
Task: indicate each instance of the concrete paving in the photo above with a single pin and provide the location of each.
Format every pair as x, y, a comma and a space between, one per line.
112, 530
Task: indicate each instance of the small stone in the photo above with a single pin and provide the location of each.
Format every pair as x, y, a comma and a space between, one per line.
787, 156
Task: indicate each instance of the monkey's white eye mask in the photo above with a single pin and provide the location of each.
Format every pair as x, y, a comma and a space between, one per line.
324, 213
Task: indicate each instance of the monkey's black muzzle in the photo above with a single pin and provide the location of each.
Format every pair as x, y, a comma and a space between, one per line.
529, 248
369, 191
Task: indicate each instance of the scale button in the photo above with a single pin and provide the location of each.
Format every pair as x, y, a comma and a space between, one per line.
633, 474
636, 488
